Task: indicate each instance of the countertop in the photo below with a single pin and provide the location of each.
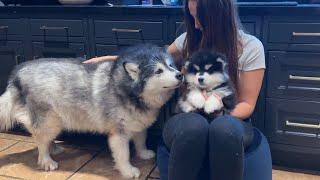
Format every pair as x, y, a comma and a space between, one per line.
244, 9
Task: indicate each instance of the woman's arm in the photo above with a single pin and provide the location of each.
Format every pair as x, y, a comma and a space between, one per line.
100, 59
249, 87
175, 53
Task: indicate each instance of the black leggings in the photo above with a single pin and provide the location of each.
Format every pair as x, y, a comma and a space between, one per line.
202, 150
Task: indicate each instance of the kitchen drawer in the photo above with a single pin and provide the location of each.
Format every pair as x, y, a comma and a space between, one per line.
293, 122
251, 28
11, 27
56, 27
293, 75
147, 30
102, 50
248, 26
40, 49
294, 32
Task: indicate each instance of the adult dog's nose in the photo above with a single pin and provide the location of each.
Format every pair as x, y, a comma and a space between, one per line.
200, 79
179, 76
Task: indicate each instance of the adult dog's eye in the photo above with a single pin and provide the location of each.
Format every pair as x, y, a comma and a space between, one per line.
159, 71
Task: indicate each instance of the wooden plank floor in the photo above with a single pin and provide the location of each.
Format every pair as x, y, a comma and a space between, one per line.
18, 160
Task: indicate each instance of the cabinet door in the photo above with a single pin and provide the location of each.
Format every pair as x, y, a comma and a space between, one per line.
10, 55
40, 49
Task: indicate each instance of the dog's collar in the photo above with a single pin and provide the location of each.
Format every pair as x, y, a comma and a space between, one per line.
215, 88
220, 86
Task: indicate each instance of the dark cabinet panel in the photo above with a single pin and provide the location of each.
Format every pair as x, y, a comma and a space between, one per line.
10, 27
10, 55
102, 50
250, 25
40, 49
129, 30
294, 32
56, 27
294, 74
293, 122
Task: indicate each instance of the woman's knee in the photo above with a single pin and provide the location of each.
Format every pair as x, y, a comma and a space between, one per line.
185, 127
225, 127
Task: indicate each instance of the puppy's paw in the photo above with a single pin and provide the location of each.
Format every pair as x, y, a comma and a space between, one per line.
130, 172
48, 164
186, 107
212, 104
146, 154
196, 99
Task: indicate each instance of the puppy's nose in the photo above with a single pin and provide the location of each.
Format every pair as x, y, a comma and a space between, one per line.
179, 76
200, 80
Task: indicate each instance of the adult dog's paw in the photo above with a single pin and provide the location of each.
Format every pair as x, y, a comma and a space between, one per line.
146, 154
48, 164
130, 172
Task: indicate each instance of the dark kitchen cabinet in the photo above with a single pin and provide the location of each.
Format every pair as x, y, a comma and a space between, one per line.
11, 54
286, 109
293, 87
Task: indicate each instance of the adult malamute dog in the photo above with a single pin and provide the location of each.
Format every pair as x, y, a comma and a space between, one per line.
209, 89
120, 98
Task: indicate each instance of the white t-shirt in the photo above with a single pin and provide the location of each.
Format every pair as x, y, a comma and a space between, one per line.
252, 56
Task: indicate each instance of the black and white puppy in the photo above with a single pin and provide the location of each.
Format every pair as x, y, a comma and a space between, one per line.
209, 90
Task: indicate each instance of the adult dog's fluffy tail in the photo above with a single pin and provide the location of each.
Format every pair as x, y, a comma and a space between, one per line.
7, 102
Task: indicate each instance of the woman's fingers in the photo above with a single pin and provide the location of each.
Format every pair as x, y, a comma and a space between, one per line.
100, 59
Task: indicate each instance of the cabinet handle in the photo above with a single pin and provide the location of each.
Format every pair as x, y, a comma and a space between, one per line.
45, 29
116, 31
313, 126
53, 28
126, 30
308, 78
17, 58
304, 34
4, 27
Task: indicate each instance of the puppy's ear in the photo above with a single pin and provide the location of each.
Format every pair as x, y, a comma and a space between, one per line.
132, 69
223, 60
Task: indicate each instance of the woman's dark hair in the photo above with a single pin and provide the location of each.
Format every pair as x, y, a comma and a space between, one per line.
220, 24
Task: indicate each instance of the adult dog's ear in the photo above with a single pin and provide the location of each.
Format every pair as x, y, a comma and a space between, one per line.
132, 69
185, 67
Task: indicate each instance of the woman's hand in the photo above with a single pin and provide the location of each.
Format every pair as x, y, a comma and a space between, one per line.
100, 59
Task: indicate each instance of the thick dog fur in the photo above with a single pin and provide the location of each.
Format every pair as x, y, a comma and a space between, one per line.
208, 87
120, 98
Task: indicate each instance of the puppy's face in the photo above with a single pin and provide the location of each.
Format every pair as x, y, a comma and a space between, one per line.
206, 70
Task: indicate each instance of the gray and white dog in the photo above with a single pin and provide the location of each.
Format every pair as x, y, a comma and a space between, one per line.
120, 98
